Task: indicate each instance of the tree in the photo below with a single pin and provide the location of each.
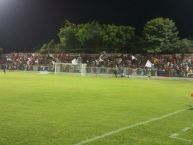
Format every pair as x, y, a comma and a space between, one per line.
118, 38
89, 35
49, 47
161, 35
68, 37
44, 48
185, 46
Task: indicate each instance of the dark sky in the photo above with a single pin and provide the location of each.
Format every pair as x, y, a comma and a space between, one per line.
25, 24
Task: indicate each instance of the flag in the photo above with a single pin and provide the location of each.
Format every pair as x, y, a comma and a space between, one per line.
148, 64
133, 57
74, 61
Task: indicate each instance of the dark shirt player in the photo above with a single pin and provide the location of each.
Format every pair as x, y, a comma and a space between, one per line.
4, 67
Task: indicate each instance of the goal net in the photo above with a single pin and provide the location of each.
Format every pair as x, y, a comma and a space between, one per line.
70, 68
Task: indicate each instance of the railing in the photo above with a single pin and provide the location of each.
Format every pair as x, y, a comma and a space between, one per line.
114, 71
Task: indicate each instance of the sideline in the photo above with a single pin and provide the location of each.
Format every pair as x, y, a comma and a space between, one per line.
128, 127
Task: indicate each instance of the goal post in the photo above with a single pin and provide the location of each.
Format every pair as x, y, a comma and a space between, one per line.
83, 69
70, 68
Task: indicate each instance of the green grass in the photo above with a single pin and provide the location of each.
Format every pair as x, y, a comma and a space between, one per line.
63, 110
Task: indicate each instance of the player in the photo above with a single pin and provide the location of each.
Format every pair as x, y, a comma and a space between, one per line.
4, 66
148, 65
115, 70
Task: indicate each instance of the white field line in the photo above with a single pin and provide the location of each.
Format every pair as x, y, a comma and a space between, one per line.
128, 127
175, 135
186, 129
182, 139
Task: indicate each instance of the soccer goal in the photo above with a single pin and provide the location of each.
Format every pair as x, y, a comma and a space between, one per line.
70, 68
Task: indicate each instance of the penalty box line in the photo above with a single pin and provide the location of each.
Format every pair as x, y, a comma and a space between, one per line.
129, 127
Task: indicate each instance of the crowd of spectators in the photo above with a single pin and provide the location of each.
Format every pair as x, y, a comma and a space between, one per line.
179, 65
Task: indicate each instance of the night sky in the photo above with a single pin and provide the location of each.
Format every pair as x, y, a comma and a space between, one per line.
26, 24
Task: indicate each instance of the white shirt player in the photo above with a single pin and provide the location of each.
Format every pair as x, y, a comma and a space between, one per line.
148, 64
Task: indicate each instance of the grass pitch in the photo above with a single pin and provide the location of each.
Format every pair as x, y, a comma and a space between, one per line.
67, 110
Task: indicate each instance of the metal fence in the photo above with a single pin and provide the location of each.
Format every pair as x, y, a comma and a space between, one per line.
113, 71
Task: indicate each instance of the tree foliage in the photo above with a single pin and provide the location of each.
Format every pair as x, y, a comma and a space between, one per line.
90, 36
118, 38
185, 46
49, 47
161, 35
94, 37
68, 37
